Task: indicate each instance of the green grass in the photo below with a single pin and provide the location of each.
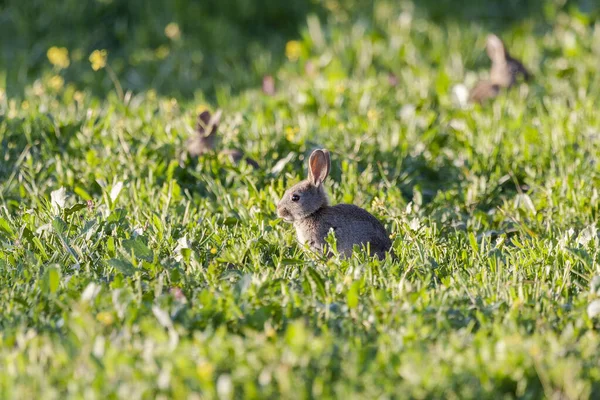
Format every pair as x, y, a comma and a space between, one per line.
184, 283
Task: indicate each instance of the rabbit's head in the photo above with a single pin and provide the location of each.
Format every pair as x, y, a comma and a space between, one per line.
308, 196
207, 123
206, 129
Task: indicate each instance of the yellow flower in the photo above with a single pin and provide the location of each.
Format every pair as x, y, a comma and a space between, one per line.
98, 59
105, 318
213, 251
205, 370
162, 52
56, 82
172, 31
78, 96
293, 50
25, 105
372, 114
289, 133
58, 56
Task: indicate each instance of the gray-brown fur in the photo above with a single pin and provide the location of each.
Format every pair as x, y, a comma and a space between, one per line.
204, 141
483, 91
313, 218
503, 73
364, 228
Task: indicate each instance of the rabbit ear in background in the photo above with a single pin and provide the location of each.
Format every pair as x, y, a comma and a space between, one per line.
207, 123
495, 49
318, 166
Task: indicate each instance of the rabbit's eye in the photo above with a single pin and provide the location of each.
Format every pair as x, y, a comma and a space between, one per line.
295, 197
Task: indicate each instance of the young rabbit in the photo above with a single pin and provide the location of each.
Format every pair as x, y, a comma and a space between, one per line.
204, 140
306, 206
503, 74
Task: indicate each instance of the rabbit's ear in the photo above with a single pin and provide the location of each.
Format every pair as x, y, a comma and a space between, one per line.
318, 166
495, 48
207, 123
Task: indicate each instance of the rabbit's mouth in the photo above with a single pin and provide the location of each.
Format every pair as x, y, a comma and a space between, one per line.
285, 215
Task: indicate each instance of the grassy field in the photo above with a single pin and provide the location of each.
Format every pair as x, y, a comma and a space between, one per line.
129, 271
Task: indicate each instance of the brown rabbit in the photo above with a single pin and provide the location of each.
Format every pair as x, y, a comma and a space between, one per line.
503, 74
204, 140
306, 206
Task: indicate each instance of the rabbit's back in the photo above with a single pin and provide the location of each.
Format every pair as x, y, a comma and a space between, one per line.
351, 225
198, 145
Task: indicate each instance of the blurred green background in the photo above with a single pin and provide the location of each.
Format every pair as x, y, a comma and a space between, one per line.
212, 43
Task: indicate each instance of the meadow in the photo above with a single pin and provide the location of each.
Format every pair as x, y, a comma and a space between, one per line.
129, 270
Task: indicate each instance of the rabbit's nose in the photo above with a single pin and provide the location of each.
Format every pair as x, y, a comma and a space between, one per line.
280, 210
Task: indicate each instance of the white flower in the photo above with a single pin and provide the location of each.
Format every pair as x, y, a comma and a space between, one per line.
182, 243
224, 386
58, 199
593, 309
137, 231
460, 95
407, 112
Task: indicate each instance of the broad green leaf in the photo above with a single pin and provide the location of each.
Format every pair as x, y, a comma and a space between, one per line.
51, 280
122, 266
138, 247
5, 226
74, 209
59, 225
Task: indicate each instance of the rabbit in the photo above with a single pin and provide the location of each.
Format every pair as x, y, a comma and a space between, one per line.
306, 206
203, 142
503, 74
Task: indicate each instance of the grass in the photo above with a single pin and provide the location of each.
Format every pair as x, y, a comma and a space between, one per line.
151, 275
